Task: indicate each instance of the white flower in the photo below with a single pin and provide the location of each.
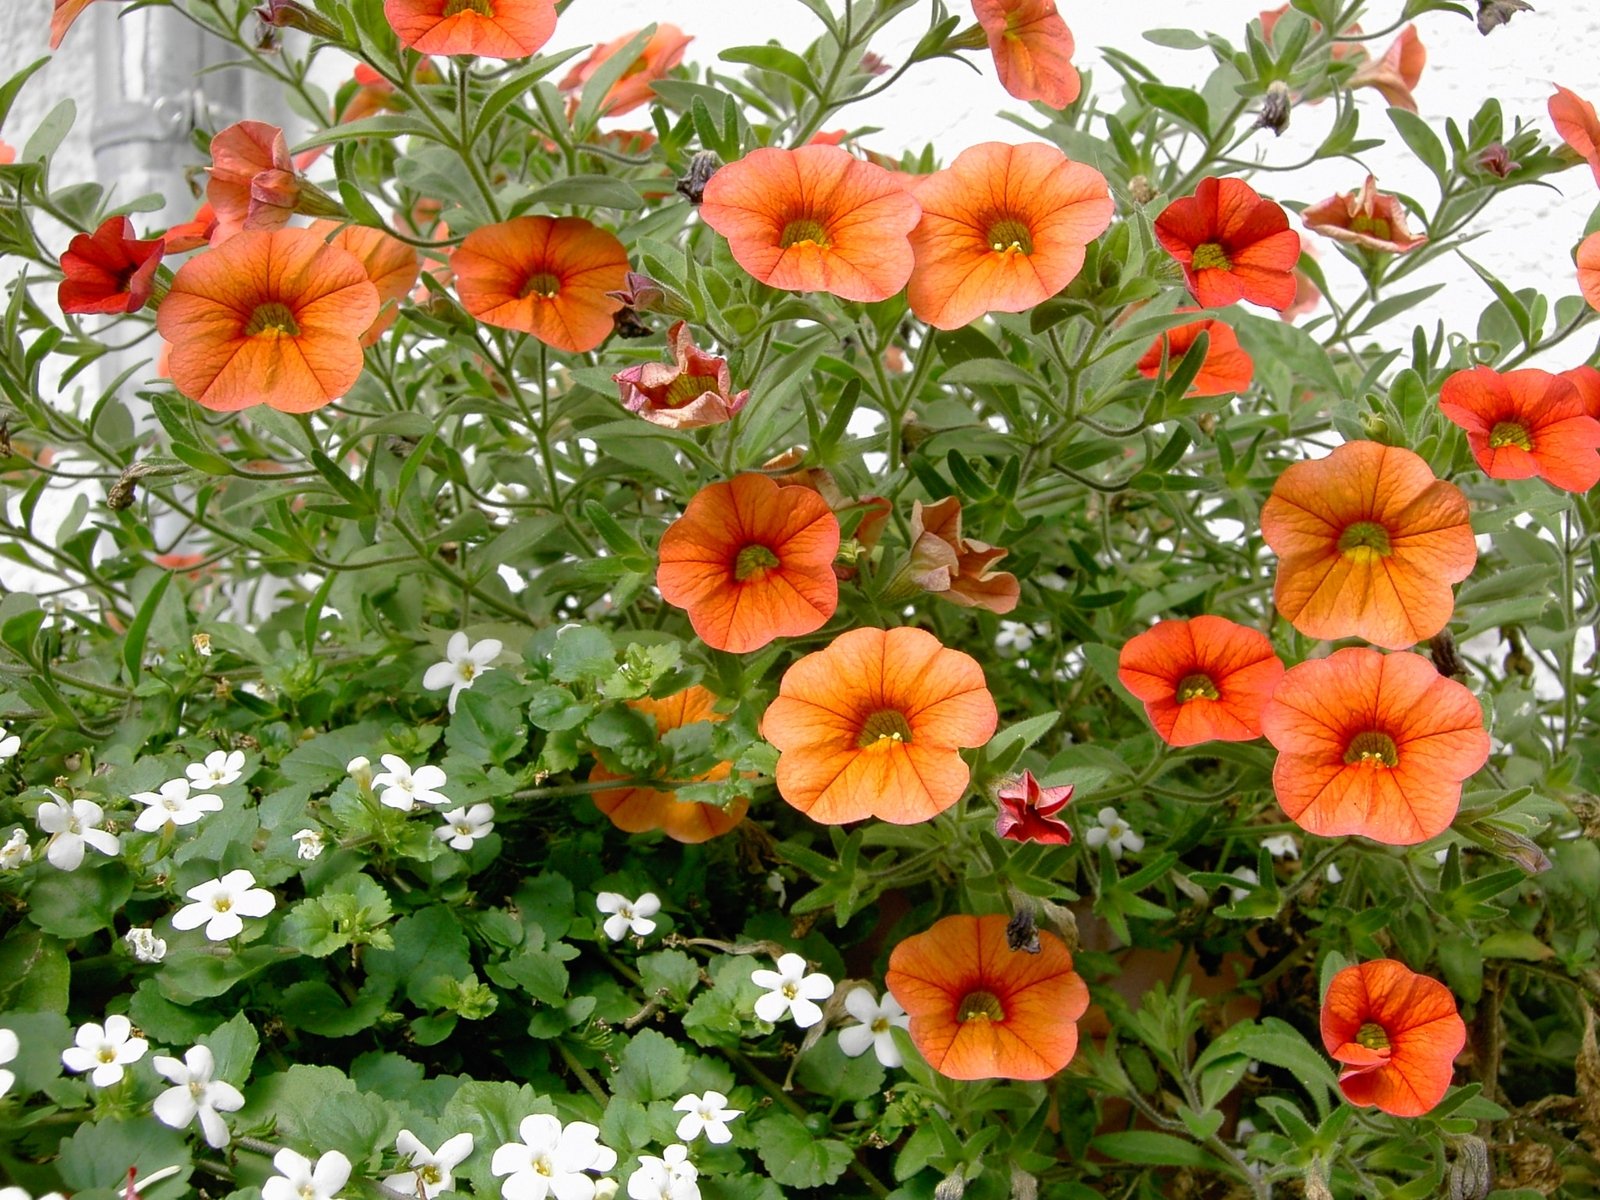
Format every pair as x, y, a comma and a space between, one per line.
605, 1189
778, 888
1439, 856
10, 743
16, 852
1248, 875
1281, 845
550, 1160
1114, 832
144, 945
463, 826
309, 843
299, 1179
9, 1048
670, 1177
220, 768
431, 1170
790, 990
706, 1114
195, 1094
360, 769
104, 1049
877, 1018
16, 1193
72, 826
220, 903
1334, 874
172, 804
463, 663
628, 915
1013, 635
404, 788
202, 644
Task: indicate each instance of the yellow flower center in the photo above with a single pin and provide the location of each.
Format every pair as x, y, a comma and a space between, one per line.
1209, 256
1509, 433
1373, 749
791, 990
454, 8
1374, 226
467, 669
881, 1025
753, 562
1007, 235
804, 231
271, 318
1364, 541
430, 1174
541, 284
980, 1006
222, 903
1373, 1036
686, 388
1196, 687
884, 728
107, 1055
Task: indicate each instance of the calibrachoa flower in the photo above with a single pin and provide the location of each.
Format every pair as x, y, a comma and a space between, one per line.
1226, 369
144, 945
792, 990
196, 1095
253, 184
1115, 834
109, 270
692, 391
220, 905
878, 1018
172, 805
1032, 49
10, 743
1373, 744
708, 1114
464, 661
62, 17
1522, 424
1396, 1034
404, 788
308, 843
431, 1170
1588, 260
980, 1010
220, 768
670, 1177
1367, 218
299, 1179
104, 1050
390, 264
551, 1159
1028, 812
628, 916
464, 826
10, 1047
1579, 126
1368, 544
485, 28
16, 852
191, 235
72, 826
1586, 381
1201, 680
1232, 244
955, 568
660, 55
1395, 74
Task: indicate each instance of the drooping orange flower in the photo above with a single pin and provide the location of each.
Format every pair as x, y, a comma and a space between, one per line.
1397, 72
1373, 744
1003, 228
815, 219
981, 1010
955, 568
1028, 811
268, 317
485, 28
1579, 126
1366, 217
253, 184
1396, 1034
1032, 49
1588, 259
640, 809
1227, 368
1201, 680
371, 95
109, 270
1586, 380
62, 17
660, 55
1368, 544
751, 561
191, 235
1523, 424
694, 390
1232, 244
873, 726
392, 266
547, 276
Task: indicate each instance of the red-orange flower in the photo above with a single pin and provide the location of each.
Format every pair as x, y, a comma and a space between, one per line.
1525, 423
981, 1010
253, 183
1368, 544
108, 271
62, 17
547, 276
1397, 72
1366, 217
874, 725
640, 809
1396, 1033
958, 569
1587, 382
1575, 120
1588, 259
1003, 228
268, 317
1232, 244
1227, 368
1028, 812
1373, 744
660, 55
191, 235
392, 266
486, 28
751, 561
694, 390
1032, 49
815, 219
1202, 680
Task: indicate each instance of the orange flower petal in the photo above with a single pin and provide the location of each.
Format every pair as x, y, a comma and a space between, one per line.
1415, 1029
391, 265
1588, 260
1575, 120
1226, 369
660, 55
62, 17
1032, 49
514, 29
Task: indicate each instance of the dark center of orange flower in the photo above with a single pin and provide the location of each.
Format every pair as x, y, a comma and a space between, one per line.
454, 8
803, 231
753, 561
1373, 1036
1007, 235
1196, 687
1509, 433
886, 727
980, 1006
1375, 226
541, 284
271, 317
1364, 540
1373, 748
686, 388
1209, 256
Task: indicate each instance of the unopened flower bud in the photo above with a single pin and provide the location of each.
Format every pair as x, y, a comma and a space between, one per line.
291, 14
1275, 106
1496, 160
701, 168
1141, 191
1522, 851
1376, 426
144, 945
1446, 658
1494, 13
1022, 933
625, 323
360, 770
605, 1189
971, 38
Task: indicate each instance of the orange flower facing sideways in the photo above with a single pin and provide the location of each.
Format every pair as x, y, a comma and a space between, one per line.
960, 570
660, 55
109, 270
815, 219
751, 561
268, 317
1397, 72
253, 184
547, 276
1366, 218
874, 725
641, 809
1588, 259
62, 16
1523, 424
1232, 244
191, 235
981, 1010
1369, 543
1032, 49
1003, 228
1227, 368
392, 266
1373, 744
1586, 382
1575, 120
485, 28
1201, 680
1395, 1033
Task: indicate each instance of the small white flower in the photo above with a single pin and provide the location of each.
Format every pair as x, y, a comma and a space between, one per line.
1115, 833
73, 826
360, 769
778, 888
196, 1095
16, 1193
10, 743
404, 788
670, 1177
202, 644
144, 945
790, 990
708, 1114
220, 768
1014, 635
299, 1179
430, 1171
172, 805
1334, 874
104, 1049
16, 852
1248, 875
463, 826
1439, 856
309, 843
551, 1159
9, 1048
463, 663
220, 903
628, 916
1281, 845
605, 1189
878, 1018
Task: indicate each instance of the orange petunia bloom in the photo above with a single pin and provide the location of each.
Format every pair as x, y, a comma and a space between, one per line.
640, 809
1523, 424
1032, 49
1575, 120
660, 55
62, 17
693, 391
392, 266
109, 270
253, 184
485, 28
547, 276
1368, 544
1366, 218
958, 569
1232, 244
191, 235
1396, 1033
1227, 368
1588, 259
873, 726
981, 1010
1373, 744
815, 219
1397, 72
1003, 228
1201, 680
268, 317
751, 561
1586, 380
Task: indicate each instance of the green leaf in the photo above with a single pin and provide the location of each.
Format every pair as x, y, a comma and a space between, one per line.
599, 191
100, 1155
350, 912
9, 90
828, 1071
582, 653
1185, 104
74, 904
356, 1124
796, 1158
1148, 1148
233, 1045
34, 972
671, 973
1423, 141
490, 1112
315, 1007
427, 944
1279, 1043
1517, 944
139, 632
651, 1067
540, 973
775, 58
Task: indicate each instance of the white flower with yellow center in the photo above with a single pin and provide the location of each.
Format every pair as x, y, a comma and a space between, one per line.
404, 788
220, 768
463, 663
71, 827
878, 1019
551, 1160
1112, 832
628, 916
708, 1114
221, 904
195, 1094
464, 826
431, 1170
298, 1178
172, 805
104, 1050
791, 991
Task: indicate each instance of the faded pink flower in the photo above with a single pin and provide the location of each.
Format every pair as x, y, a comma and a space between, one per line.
694, 390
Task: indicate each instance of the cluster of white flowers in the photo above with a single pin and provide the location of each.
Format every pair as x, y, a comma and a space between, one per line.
463, 662
628, 916
670, 1177
552, 1159
400, 787
1112, 832
791, 991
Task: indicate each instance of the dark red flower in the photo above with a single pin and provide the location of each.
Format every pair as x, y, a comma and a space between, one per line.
109, 271
1028, 812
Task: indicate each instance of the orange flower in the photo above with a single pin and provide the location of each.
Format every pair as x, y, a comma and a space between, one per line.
8, 154
1588, 259
1366, 218
1587, 382
873, 726
1202, 680
268, 317
191, 235
956, 568
1003, 228
1368, 544
1525, 423
875, 510
695, 390
660, 55
1227, 368
372, 94
1396, 1033
62, 17
751, 561
814, 219
640, 809
253, 183
108, 271
1579, 127
1032, 49
1373, 744
981, 1010
392, 266
547, 276
1232, 244
486, 28
1397, 72
1028, 812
